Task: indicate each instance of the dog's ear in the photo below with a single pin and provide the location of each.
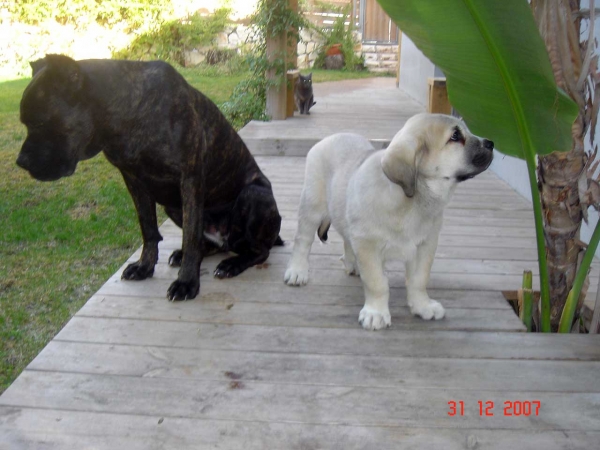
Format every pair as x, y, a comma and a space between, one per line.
37, 65
66, 70
400, 163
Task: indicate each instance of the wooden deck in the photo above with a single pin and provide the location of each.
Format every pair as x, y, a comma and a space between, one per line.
254, 364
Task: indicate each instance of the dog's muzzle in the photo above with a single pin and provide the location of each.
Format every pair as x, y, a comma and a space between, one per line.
48, 172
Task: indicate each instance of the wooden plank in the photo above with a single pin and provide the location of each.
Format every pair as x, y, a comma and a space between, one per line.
447, 230
476, 204
464, 218
295, 188
157, 288
445, 240
452, 227
269, 402
450, 230
223, 308
330, 341
440, 265
280, 368
251, 291
443, 251
337, 277
36, 429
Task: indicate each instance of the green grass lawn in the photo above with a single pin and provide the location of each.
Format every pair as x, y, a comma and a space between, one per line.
61, 241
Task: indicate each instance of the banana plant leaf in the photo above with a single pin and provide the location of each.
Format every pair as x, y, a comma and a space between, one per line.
497, 70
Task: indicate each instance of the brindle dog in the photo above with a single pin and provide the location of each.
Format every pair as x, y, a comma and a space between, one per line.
173, 147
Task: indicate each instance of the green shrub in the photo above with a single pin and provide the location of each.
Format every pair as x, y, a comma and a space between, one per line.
247, 102
249, 99
339, 34
171, 39
104, 12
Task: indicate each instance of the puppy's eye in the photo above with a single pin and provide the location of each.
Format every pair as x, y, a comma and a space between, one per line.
457, 136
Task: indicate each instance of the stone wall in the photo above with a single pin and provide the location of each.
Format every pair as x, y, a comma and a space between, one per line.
239, 37
235, 36
308, 48
381, 57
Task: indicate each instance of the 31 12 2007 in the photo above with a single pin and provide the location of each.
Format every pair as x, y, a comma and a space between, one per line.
518, 408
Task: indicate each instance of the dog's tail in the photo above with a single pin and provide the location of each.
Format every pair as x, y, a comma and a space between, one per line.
279, 242
323, 229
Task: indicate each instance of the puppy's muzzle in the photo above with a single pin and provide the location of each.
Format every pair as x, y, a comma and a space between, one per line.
483, 158
480, 161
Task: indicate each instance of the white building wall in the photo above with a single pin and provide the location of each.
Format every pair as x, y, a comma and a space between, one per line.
415, 68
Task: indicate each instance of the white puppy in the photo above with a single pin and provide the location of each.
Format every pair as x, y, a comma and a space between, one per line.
386, 204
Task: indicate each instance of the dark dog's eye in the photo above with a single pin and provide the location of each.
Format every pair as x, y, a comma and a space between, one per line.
35, 125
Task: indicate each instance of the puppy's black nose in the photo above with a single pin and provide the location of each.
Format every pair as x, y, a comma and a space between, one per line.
488, 144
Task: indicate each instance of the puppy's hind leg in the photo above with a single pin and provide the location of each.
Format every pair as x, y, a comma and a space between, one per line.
349, 260
312, 217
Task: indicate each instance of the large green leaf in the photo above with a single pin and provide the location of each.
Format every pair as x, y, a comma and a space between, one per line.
497, 68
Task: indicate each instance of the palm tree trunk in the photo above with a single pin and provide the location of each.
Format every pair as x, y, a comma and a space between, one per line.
559, 173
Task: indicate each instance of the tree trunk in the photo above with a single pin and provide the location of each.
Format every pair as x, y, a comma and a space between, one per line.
559, 172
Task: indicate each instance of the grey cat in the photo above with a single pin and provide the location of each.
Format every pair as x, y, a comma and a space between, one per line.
303, 93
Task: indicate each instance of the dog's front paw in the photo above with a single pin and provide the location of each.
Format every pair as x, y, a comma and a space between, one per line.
137, 271
183, 290
229, 268
428, 310
176, 258
374, 319
296, 275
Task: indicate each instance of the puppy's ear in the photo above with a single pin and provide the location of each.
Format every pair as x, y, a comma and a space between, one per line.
400, 163
66, 70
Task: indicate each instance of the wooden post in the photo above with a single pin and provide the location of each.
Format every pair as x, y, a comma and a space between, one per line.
399, 57
438, 96
292, 64
276, 95
292, 76
277, 47
292, 41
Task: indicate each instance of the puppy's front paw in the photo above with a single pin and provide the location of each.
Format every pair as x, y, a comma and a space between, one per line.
183, 290
137, 271
373, 319
428, 310
296, 275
